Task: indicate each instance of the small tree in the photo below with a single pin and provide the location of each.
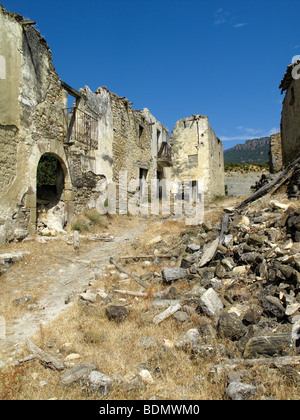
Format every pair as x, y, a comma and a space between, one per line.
47, 170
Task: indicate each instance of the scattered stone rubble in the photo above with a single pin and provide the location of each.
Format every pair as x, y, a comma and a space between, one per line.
244, 287
9, 258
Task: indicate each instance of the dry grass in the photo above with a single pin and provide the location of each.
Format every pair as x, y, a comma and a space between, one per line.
116, 348
118, 353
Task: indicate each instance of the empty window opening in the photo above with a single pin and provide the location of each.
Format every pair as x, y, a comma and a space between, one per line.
142, 180
158, 135
141, 132
191, 193
72, 102
159, 177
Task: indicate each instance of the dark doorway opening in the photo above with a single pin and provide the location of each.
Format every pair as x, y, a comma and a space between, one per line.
159, 177
50, 180
49, 195
142, 181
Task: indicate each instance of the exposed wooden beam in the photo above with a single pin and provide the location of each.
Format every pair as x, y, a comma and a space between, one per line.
71, 91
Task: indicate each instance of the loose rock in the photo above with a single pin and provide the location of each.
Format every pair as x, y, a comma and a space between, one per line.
239, 391
173, 273
116, 313
210, 303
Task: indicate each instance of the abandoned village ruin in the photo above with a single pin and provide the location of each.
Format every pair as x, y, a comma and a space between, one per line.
96, 138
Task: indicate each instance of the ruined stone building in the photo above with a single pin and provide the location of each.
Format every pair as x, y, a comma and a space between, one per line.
197, 154
85, 138
275, 153
290, 116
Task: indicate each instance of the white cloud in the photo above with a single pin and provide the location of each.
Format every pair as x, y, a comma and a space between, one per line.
240, 25
274, 130
241, 138
251, 131
251, 134
221, 16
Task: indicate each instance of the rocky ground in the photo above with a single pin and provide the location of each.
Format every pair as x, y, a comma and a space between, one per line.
206, 312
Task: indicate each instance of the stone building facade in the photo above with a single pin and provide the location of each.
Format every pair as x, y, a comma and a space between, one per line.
93, 142
31, 101
197, 155
290, 116
275, 153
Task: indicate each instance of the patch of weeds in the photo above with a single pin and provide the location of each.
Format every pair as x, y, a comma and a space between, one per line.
96, 218
81, 225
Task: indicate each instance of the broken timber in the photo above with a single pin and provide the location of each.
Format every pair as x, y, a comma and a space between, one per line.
131, 293
277, 361
280, 179
46, 359
26, 359
140, 257
135, 278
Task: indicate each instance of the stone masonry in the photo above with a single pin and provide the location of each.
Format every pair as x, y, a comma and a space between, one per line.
197, 154
290, 116
93, 141
275, 154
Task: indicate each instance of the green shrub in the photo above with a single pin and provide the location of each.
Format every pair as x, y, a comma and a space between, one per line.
81, 225
96, 218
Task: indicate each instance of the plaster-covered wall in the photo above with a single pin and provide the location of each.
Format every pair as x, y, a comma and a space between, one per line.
198, 155
275, 153
31, 101
290, 123
159, 134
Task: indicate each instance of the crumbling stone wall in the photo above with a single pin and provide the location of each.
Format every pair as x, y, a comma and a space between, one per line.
9, 142
290, 116
132, 139
197, 154
97, 139
275, 153
31, 100
159, 135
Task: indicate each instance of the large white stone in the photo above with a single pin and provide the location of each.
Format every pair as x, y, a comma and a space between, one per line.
210, 303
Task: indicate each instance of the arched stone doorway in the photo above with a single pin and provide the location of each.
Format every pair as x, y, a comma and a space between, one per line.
51, 209
50, 179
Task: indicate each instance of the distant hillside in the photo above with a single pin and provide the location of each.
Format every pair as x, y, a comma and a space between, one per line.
253, 151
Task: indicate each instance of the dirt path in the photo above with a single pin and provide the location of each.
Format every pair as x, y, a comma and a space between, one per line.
54, 274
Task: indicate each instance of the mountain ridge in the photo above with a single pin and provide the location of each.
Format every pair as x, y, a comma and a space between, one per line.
252, 151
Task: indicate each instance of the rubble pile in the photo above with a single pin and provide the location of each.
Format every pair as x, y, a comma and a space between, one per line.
236, 288
242, 285
250, 287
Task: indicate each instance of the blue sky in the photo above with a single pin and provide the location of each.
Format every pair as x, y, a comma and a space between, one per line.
223, 59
